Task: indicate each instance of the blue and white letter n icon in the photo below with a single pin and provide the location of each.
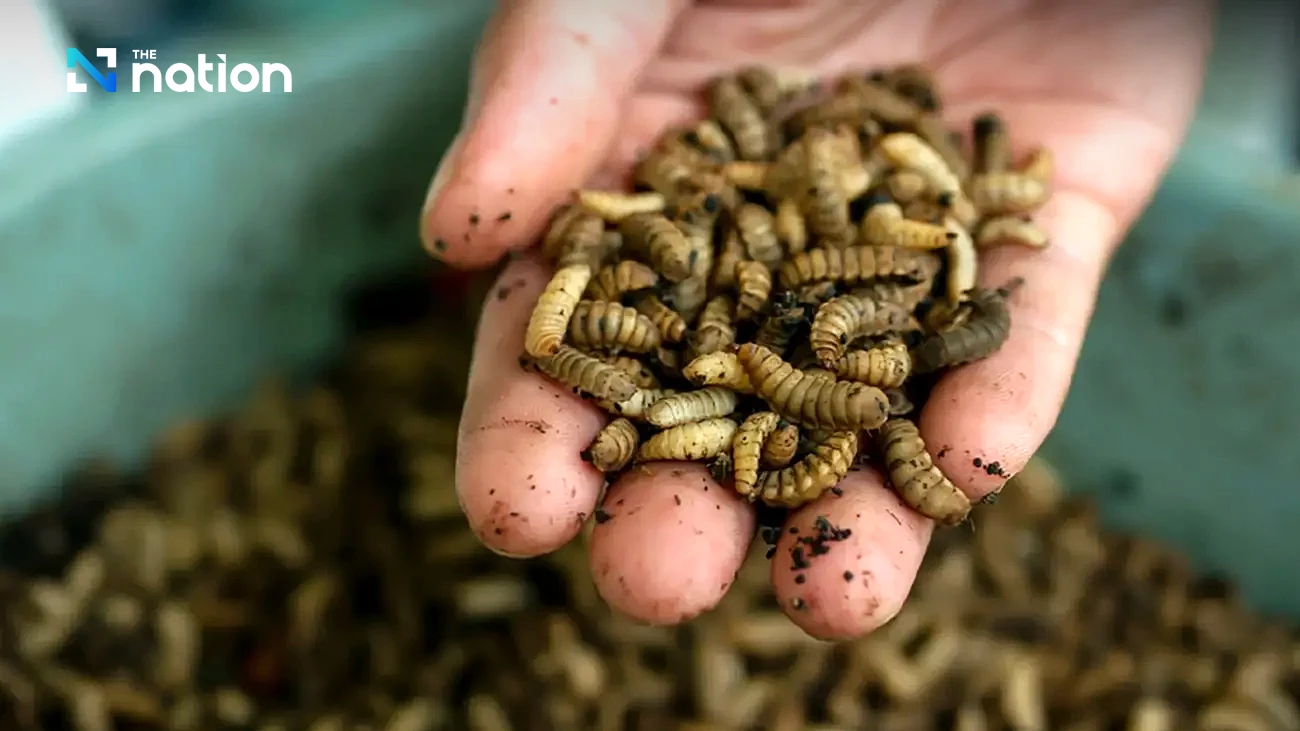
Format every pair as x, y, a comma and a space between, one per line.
107, 82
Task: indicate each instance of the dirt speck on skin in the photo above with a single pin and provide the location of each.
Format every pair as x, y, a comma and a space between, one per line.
504, 217
979, 463
505, 290
995, 469
473, 219
439, 245
848, 576
940, 454
677, 499
536, 425
601, 516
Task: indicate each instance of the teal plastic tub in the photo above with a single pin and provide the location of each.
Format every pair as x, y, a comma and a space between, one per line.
160, 255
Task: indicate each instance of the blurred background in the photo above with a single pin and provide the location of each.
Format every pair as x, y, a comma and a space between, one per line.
158, 253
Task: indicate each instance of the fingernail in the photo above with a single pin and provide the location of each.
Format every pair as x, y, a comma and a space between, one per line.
507, 554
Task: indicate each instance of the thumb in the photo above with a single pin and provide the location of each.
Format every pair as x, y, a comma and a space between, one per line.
548, 86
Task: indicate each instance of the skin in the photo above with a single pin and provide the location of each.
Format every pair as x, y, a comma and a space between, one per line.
565, 92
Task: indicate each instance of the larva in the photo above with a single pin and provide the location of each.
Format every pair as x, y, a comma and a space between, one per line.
769, 88
875, 99
669, 166
825, 205
585, 374
757, 230
718, 369
992, 153
550, 317
844, 319
886, 365
780, 447
811, 402
697, 226
553, 239
907, 296
574, 237
944, 316
613, 447
818, 372
737, 112
787, 323
638, 404
816, 294
906, 186
700, 440
1015, 230
688, 297
963, 262
916, 479
638, 371
611, 327
614, 206
999, 194
668, 361
715, 331
884, 225
709, 136
925, 211
983, 334
705, 403
747, 175
669, 323
664, 244
753, 287
914, 83
810, 477
908, 151
616, 280
946, 143
747, 450
857, 264
790, 226
731, 253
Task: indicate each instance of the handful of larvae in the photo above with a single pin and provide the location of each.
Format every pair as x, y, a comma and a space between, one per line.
786, 281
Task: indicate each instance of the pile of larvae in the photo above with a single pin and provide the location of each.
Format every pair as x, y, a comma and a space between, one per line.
786, 281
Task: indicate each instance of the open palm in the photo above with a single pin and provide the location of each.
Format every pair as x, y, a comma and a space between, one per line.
568, 91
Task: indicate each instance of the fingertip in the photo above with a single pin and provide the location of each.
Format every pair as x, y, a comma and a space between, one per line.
523, 487
845, 563
669, 542
549, 85
476, 212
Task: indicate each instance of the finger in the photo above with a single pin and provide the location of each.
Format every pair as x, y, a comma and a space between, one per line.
547, 90
669, 543
845, 563
519, 476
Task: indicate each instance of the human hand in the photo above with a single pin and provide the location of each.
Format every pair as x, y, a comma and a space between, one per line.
564, 94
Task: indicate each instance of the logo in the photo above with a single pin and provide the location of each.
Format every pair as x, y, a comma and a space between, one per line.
180, 77
107, 82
